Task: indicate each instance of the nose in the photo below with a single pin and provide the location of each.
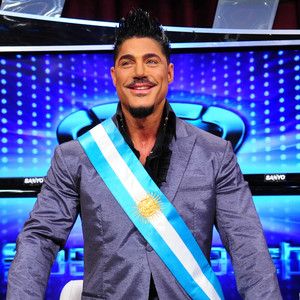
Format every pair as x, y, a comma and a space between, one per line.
139, 69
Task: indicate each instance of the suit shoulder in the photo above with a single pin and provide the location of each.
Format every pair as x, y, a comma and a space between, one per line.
71, 152
203, 138
72, 147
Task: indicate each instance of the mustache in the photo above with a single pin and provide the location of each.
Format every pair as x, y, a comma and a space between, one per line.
139, 81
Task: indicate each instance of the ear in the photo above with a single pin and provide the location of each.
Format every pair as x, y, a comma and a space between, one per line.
113, 75
170, 72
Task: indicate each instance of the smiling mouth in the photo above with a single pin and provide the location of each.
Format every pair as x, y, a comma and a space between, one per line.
140, 86
141, 89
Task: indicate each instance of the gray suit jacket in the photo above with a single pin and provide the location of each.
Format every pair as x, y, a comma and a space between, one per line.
205, 185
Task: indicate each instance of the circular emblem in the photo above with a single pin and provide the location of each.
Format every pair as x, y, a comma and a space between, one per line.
149, 206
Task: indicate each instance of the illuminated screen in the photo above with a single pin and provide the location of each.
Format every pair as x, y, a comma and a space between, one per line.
279, 216
260, 88
251, 95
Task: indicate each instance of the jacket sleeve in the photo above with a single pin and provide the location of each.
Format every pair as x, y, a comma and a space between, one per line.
44, 233
241, 232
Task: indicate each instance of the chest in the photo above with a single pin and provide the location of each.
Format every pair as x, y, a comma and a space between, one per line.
102, 215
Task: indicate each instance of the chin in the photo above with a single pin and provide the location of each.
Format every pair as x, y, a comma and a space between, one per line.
141, 112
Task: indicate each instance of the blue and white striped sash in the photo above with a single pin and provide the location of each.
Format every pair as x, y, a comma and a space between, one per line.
150, 211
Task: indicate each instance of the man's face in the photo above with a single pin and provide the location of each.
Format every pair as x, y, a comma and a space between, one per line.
141, 76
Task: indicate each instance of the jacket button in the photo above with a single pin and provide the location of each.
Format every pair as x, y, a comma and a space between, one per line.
149, 248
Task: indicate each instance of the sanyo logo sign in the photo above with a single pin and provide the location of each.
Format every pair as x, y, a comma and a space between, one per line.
34, 180
275, 177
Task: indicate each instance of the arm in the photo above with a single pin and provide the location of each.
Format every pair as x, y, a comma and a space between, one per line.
44, 233
242, 234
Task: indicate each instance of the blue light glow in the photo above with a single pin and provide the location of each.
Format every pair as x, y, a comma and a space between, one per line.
259, 85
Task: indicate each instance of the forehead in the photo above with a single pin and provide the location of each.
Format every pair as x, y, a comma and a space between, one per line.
139, 47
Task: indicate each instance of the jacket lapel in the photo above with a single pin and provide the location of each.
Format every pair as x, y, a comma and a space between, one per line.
181, 148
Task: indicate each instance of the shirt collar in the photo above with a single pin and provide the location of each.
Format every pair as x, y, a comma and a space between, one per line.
167, 126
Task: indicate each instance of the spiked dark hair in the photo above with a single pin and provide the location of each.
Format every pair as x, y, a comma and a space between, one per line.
139, 23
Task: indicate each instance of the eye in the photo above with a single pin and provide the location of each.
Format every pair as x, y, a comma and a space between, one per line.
125, 63
152, 61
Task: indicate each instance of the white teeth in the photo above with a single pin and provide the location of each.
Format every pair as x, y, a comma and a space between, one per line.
141, 88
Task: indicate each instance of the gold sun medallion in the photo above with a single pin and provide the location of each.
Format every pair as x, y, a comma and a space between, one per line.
149, 206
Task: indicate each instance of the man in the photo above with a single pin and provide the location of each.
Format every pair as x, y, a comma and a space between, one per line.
137, 237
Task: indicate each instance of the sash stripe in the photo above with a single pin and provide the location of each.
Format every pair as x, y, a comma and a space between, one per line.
166, 232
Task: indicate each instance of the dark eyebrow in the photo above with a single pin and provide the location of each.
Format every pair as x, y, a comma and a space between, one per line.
126, 56
149, 55
131, 57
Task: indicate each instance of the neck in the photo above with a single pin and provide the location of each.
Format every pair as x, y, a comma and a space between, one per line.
143, 132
